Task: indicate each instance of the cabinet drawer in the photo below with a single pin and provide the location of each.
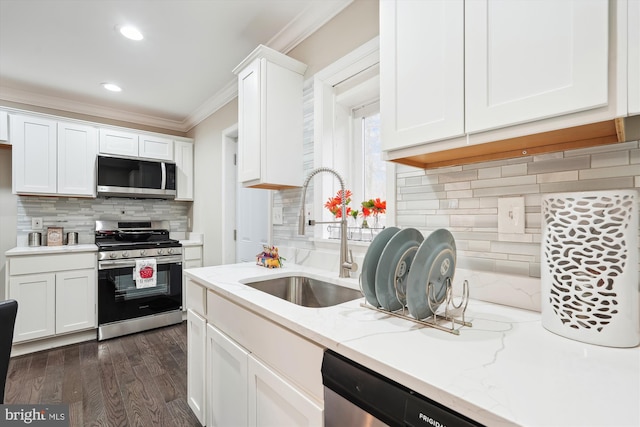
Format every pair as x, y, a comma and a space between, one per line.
196, 299
51, 263
192, 252
288, 353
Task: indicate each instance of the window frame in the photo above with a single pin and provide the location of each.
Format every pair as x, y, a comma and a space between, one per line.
327, 137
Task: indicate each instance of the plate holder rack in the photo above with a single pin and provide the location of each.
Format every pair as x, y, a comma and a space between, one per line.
450, 319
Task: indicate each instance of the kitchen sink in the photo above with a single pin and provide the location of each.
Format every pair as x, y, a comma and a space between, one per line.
305, 291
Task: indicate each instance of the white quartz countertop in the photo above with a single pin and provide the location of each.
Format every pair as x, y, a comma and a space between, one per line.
43, 250
504, 370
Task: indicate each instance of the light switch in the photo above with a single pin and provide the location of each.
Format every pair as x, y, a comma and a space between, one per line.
511, 215
276, 214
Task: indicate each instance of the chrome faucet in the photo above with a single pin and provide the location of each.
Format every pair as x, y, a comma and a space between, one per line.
346, 266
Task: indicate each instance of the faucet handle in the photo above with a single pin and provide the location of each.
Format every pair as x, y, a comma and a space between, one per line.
352, 265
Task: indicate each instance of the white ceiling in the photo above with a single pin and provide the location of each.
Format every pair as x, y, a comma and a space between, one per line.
56, 53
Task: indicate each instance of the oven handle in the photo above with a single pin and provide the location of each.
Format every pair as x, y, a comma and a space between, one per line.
120, 263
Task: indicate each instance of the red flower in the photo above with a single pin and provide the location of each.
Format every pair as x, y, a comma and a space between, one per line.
334, 204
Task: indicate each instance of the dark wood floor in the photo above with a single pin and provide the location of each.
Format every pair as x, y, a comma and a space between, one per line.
137, 380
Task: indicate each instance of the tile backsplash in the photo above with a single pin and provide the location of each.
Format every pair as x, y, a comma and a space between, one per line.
464, 199
79, 214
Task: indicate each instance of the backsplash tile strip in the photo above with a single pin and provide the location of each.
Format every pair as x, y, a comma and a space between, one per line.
80, 215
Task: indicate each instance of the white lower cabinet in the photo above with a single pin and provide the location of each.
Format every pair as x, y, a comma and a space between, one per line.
275, 402
196, 344
246, 370
227, 375
35, 294
56, 294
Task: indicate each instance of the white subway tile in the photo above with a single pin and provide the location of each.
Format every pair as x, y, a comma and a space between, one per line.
610, 172
557, 176
488, 173
514, 170
615, 158
504, 182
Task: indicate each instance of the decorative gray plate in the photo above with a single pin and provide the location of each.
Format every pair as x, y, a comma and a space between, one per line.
434, 263
370, 264
394, 266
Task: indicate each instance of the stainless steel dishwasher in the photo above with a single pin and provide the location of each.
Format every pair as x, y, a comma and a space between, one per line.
355, 396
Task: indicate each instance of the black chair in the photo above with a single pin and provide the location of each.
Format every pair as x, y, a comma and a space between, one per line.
8, 312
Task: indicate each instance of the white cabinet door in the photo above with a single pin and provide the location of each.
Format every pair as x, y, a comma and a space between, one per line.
155, 147
183, 157
270, 120
118, 142
421, 71
275, 402
33, 155
249, 122
35, 294
75, 300
633, 48
528, 60
196, 346
227, 370
77, 149
4, 127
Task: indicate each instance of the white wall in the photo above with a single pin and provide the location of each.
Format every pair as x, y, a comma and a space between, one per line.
208, 205
8, 214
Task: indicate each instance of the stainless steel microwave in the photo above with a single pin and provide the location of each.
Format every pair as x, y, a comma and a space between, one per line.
136, 178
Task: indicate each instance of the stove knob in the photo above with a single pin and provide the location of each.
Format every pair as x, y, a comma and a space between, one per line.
125, 254
113, 255
160, 251
170, 250
142, 252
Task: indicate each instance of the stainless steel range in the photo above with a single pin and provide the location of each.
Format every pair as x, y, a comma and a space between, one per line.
139, 277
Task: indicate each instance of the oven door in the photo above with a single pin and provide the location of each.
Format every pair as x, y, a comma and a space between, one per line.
120, 299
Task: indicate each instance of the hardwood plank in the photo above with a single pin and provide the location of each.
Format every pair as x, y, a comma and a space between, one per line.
182, 414
54, 375
148, 355
18, 366
72, 381
152, 399
112, 397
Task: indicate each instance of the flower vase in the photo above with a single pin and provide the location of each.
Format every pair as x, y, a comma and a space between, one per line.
365, 224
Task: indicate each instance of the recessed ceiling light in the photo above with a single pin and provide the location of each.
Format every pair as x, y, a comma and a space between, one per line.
131, 32
112, 87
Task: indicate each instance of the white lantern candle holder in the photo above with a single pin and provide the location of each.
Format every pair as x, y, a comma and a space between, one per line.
589, 272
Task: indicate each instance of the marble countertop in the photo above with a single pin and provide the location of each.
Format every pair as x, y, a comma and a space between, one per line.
505, 370
43, 250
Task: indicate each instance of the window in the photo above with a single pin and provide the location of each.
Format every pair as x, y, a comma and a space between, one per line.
347, 135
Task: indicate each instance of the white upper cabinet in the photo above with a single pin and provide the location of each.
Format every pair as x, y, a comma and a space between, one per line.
633, 48
270, 120
450, 68
34, 155
422, 71
183, 156
52, 157
155, 147
77, 149
528, 60
131, 144
4, 127
118, 142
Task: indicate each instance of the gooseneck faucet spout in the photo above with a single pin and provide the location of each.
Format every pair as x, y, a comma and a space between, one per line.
346, 266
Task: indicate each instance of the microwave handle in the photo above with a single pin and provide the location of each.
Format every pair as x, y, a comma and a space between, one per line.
163, 167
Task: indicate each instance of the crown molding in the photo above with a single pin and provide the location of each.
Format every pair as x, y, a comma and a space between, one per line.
63, 104
306, 23
211, 105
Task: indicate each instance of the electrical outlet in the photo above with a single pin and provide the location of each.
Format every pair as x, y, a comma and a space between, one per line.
36, 223
276, 215
511, 215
